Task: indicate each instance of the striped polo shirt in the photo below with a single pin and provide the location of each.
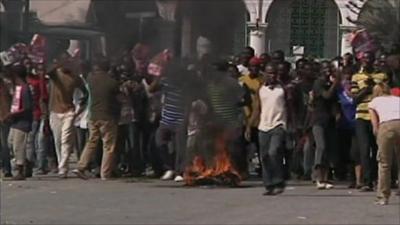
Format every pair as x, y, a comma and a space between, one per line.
173, 108
358, 82
224, 100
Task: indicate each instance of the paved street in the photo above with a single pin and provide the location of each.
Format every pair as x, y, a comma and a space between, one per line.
49, 200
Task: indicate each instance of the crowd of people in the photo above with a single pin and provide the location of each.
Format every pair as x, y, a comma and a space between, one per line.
321, 121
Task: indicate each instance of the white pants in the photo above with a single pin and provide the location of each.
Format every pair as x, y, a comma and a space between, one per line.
62, 125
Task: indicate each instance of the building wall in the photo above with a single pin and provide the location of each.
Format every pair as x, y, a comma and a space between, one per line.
279, 24
278, 18
61, 11
262, 14
332, 26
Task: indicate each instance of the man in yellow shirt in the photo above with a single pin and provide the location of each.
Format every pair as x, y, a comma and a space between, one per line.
253, 81
362, 84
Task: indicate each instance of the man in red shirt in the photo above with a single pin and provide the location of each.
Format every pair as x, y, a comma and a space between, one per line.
36, 144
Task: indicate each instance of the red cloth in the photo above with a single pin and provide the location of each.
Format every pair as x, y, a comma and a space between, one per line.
255, 61
39, 94
362, 41
158, 63
37, 49
396, 92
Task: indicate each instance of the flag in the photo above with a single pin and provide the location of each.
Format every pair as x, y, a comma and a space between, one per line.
14, 54
37, 49
362, 41
157, 64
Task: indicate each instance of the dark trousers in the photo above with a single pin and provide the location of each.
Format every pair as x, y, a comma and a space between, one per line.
152, 154
171, 142
325, 138
308, 154
253, 140
124, 146
4, 150
234, 140
368, 150
137, 153
82, 136
272, 146
136, 146
344, 147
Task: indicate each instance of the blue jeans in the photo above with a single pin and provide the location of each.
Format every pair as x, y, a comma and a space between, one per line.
309, 155
272, 147
36, 148
5, 151
325, 146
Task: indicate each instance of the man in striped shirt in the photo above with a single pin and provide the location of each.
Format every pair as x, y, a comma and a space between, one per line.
171, 134
362, 84
225, 96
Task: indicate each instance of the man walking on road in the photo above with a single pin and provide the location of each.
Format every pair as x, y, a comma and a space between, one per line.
63, 83
271, 110
103, 117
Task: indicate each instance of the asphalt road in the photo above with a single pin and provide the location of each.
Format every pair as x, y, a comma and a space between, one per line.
48, 200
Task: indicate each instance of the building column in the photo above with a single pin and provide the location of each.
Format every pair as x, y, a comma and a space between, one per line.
345, 33
257, 37
186, 45
257, 10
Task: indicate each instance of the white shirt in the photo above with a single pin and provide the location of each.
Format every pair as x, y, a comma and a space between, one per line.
81, 120
243, 70
387, 107
273, 109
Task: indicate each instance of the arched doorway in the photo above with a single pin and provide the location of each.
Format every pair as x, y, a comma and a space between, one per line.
313, 24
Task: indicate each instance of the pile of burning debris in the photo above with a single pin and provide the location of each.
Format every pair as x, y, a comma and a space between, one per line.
220, 171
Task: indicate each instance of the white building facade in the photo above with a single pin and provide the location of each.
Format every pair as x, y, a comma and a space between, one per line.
275, 24
321, 27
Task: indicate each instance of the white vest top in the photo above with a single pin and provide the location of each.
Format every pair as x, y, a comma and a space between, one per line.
273, 109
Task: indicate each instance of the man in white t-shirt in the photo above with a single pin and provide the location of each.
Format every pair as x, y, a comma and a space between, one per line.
272, 112
385, 118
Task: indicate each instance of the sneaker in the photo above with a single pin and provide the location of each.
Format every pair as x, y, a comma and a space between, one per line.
63, 175
329, 186
279, 190
358, 186
381, 201
168, 175
320, 185
19, 176
178, 178
7, 174
54, 171
81, 174
352, 185
270, 191
20, 173
366, 188
41, 172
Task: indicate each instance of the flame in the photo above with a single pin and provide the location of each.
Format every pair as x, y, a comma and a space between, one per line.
221, 168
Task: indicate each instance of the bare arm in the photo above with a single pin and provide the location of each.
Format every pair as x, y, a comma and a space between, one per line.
155, 85
255, 115
358, 98
374, 120
330, 92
